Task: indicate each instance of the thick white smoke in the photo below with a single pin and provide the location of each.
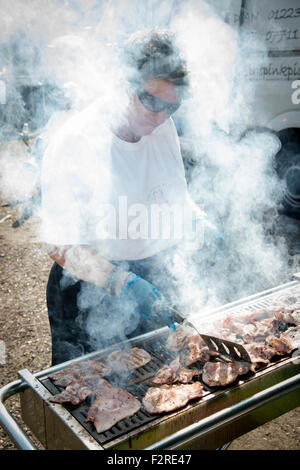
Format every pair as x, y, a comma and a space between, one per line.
75, 44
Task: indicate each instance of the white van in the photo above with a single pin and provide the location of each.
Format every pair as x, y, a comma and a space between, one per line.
275, 24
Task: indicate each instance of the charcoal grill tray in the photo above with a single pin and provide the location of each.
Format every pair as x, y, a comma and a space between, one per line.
141, 431
137, 383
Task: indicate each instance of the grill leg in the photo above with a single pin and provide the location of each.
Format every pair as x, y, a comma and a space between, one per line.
224, 446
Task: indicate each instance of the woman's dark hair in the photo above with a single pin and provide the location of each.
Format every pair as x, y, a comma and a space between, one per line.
154, 55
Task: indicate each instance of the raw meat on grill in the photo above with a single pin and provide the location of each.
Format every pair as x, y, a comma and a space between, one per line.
77, 392
189, 344
291, 316
61, 379
111, 406
216, 374
78, 370
195, 353
170, 397
258, 331
281, 345
260, 353
184, 375
265, 333
174, 372
117, 361
182, 337
224, 333
127, 359
165, 375
74, 393
234, 324
292, 335
257, 327
237, 323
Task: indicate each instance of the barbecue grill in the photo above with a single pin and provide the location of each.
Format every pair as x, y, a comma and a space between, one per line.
221, 415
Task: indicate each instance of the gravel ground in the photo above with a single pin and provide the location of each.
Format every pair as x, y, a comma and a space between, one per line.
24, 329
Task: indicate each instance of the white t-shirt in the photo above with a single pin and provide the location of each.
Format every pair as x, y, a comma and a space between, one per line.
127, 200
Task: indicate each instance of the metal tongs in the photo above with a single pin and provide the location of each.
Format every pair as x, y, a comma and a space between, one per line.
227, 350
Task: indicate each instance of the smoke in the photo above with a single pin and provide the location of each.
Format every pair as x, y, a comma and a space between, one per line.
233, 176
74, 46
244, 189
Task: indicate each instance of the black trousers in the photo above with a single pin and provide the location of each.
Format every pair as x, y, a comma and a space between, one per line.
84, 318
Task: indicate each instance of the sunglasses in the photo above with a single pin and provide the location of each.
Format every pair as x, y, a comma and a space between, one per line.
155, 104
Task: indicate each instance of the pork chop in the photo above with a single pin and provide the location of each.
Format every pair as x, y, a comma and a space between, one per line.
216, 374
292, 335
111, 406
170, 397
77, 370
174, 372
77, 392
127, 359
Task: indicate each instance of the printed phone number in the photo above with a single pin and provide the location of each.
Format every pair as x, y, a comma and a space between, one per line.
284, 13
277, 36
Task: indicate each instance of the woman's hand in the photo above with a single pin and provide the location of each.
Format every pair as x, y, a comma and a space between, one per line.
140, 296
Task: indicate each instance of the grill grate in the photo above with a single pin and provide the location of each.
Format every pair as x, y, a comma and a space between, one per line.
122, 427
139, 380
137, 383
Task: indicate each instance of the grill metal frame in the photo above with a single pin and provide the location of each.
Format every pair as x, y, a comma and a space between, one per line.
207, 423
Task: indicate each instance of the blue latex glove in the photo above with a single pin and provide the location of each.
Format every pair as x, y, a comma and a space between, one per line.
144, 298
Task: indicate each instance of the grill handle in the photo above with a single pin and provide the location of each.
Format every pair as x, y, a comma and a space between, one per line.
10, 426
227, 415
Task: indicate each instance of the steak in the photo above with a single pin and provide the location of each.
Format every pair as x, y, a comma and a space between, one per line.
182, 337
292, 335
111, 406
170, 397
281, 345
291, 316
216, 374
195, 353
174, 372
77, 370
77, 392
258, 331
260, 353
117, 361
127, 359
165, 375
